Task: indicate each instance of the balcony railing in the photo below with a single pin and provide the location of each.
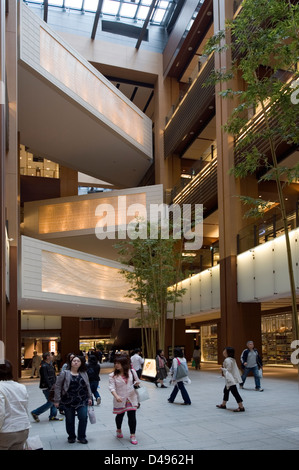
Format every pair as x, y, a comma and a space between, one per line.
192, 114
202, 189
262, 231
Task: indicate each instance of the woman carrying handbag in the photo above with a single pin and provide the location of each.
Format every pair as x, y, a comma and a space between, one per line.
232, 377
72, 390
125, 399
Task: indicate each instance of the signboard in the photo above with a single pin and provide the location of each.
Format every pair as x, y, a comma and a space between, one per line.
149, 368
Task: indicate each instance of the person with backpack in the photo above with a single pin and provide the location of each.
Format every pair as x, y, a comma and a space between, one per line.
179, 371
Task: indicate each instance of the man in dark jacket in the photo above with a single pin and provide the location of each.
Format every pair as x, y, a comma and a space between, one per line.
47, 380
251, 362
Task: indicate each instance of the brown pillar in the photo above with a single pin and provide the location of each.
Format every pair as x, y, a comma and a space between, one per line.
239, 322
13, 347
68, 182
69, 336
180, 337
2, 173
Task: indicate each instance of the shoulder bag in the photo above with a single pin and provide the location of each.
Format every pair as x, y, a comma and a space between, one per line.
181, 370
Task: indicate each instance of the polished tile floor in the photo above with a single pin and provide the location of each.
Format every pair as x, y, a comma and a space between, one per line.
271, 419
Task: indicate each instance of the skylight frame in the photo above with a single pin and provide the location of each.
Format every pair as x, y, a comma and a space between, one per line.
160, 7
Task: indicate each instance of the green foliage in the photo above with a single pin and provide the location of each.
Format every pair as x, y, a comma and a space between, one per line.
156, 265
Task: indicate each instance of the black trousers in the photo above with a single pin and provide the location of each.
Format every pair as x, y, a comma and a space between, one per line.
131, 420
234, 391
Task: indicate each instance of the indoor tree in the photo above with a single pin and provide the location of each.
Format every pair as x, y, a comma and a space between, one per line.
154, 266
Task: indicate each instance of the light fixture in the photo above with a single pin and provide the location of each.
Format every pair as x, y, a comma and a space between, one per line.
192, 331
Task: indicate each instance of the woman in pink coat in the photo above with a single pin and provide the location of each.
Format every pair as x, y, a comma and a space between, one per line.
125, 399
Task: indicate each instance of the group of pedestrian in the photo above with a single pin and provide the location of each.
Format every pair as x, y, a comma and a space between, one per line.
77, 384
251, 362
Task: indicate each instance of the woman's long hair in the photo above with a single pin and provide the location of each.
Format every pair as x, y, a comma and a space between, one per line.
124, 361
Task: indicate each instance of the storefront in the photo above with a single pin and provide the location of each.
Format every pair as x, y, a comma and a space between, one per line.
209, 343
277, 338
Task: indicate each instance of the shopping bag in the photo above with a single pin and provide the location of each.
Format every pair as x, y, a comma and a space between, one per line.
182, 370
92, 415
33, 443
142, 394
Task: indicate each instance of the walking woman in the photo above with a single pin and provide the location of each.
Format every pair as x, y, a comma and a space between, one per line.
125, 399
232, 377
161, 368
72, 390
93, 371
179, 382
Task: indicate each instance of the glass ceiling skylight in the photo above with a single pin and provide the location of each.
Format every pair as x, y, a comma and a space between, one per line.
119, 9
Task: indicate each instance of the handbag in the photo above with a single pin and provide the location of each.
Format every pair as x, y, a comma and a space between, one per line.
260, 373
181, 370
142, 394
92, 415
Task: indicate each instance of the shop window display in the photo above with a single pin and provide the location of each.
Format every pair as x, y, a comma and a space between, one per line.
277, 338
209, 346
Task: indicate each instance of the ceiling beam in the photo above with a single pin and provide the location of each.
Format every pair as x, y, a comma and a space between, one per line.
145, 24
96, 19
46, 9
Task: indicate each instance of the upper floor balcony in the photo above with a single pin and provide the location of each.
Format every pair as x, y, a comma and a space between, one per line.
190, 116
200, 188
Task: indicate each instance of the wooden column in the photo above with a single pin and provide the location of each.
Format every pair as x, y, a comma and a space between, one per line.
239, 322
69, 336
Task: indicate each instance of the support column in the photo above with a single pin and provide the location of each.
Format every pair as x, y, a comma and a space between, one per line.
12, 190
239, 322
68, 182
69, 336
2, 173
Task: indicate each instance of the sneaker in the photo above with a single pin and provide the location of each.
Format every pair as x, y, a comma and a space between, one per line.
119, 434
71, 440
259, 389
55, 419
35, 417
99, 401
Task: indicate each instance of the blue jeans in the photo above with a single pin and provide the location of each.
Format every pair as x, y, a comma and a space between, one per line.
47, 406
94, 388
180, 386
70, 421
255, 371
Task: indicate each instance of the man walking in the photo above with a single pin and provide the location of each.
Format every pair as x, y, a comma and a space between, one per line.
47, 380
251, 362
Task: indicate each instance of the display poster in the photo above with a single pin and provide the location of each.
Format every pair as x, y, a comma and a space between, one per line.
149, 368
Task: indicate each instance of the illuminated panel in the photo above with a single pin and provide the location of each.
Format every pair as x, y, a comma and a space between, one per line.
66, 68
80, 215
69, 276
